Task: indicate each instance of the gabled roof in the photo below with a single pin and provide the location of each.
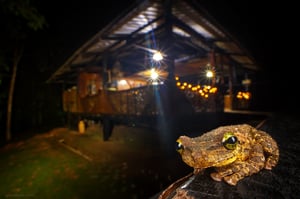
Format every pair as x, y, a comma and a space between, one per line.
179, 28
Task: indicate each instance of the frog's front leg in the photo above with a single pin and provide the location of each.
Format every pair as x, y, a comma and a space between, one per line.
270, 147
238, 170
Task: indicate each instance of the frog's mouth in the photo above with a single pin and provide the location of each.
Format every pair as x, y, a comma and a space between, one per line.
217, 156
225, 162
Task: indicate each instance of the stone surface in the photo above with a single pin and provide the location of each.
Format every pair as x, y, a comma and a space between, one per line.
281, 182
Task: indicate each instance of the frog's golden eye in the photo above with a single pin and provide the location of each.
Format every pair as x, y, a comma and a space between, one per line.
179, 146
229, 141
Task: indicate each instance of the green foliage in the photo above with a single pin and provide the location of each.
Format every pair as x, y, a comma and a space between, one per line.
18, 19
23, 10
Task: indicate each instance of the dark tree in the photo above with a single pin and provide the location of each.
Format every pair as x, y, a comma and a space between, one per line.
18, 19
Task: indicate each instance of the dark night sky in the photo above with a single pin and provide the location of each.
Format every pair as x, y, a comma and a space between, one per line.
261, 28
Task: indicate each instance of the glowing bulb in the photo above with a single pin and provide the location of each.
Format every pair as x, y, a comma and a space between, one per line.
209, 74
153, 75
157, 56
123, 82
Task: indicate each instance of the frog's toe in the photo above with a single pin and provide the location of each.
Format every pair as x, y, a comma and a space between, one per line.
270, 163
216, 176
230, 180
269, 166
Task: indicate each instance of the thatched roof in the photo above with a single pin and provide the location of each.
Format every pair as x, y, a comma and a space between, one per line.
180, 28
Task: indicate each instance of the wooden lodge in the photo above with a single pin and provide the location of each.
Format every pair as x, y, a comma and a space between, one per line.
113, 76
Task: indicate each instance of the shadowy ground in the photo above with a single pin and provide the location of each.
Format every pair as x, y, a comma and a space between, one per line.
63, 163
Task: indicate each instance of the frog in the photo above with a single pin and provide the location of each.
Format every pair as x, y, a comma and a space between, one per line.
233, 151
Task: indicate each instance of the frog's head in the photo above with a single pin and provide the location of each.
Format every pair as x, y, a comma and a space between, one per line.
212, 149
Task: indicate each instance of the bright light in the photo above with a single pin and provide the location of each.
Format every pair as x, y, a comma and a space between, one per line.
153, 74
157, 56
209, 74
243, 95
123, 82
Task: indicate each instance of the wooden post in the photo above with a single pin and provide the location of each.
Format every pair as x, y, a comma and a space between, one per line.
167, 120
108, 126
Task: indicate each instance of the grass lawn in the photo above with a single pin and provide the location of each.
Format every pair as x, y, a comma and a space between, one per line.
125, 167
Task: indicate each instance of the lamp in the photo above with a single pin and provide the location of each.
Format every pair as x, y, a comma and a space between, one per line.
153, 74
209, 73
157, 56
